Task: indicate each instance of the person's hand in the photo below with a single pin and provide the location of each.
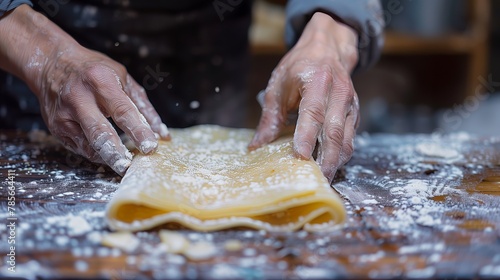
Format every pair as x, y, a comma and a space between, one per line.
79, 90
314, 77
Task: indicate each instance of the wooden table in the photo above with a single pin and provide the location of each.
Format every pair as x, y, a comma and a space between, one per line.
419, 206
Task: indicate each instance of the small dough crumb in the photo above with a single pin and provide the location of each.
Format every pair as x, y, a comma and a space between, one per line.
436, 150
233, 245
78, 225
125, 241
176, 242
200, 251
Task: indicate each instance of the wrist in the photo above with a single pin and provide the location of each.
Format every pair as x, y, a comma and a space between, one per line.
323, 29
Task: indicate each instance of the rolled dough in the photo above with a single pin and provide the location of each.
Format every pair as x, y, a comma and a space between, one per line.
206, 179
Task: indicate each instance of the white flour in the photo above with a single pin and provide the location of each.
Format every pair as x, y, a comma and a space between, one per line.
389, 186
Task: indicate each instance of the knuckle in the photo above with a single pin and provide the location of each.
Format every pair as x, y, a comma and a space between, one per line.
334, 136
324, 73
353, 58
351, 55
99, 74
120, 110
66, 125
94, 130
345, 101
94, 72
62, 126
316, 74
65, 115
120, 69
97, 135
314, 110
300, 73
68, 97
343, 84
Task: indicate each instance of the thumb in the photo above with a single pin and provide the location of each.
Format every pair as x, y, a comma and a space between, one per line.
271, 121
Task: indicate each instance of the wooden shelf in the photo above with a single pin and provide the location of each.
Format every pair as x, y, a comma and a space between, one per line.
397, 43
401, 43
472, 43
268, 49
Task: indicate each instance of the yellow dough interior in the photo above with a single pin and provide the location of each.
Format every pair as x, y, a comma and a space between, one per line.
206, 179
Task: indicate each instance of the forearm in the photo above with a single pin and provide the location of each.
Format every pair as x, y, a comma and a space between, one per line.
27, 41
363, 16
324, 30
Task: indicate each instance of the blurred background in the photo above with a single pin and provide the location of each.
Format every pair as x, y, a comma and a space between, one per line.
437, 71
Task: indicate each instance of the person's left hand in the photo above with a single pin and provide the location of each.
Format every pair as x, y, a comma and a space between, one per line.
314, 76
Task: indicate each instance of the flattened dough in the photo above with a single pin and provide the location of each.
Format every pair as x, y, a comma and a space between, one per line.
205, 179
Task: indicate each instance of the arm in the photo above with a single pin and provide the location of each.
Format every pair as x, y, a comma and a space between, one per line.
314, 77
78, 89
7, 5
363, 16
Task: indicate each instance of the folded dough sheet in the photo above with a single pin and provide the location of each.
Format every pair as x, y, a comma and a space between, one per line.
206, 179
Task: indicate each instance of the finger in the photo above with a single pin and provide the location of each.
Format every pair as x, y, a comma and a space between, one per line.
84, 149
349, 135
74, 140
99, 133
312, 109
332, 135
273, 116
110, 95
140, 98
355, 111
105, 141
68, 143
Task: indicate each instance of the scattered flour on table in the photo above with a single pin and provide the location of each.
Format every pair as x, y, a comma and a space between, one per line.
437, 150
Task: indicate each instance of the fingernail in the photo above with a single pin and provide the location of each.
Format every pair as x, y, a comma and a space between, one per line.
147, 146
253, 143
121, 165
164, 133
128, 154
330, 174
304, 150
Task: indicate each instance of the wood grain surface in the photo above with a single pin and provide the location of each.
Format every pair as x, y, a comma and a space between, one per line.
419, 206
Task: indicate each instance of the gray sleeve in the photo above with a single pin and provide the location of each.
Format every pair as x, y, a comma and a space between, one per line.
7, 5
365, 16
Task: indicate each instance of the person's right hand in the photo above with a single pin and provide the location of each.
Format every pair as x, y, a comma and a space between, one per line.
79, 89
